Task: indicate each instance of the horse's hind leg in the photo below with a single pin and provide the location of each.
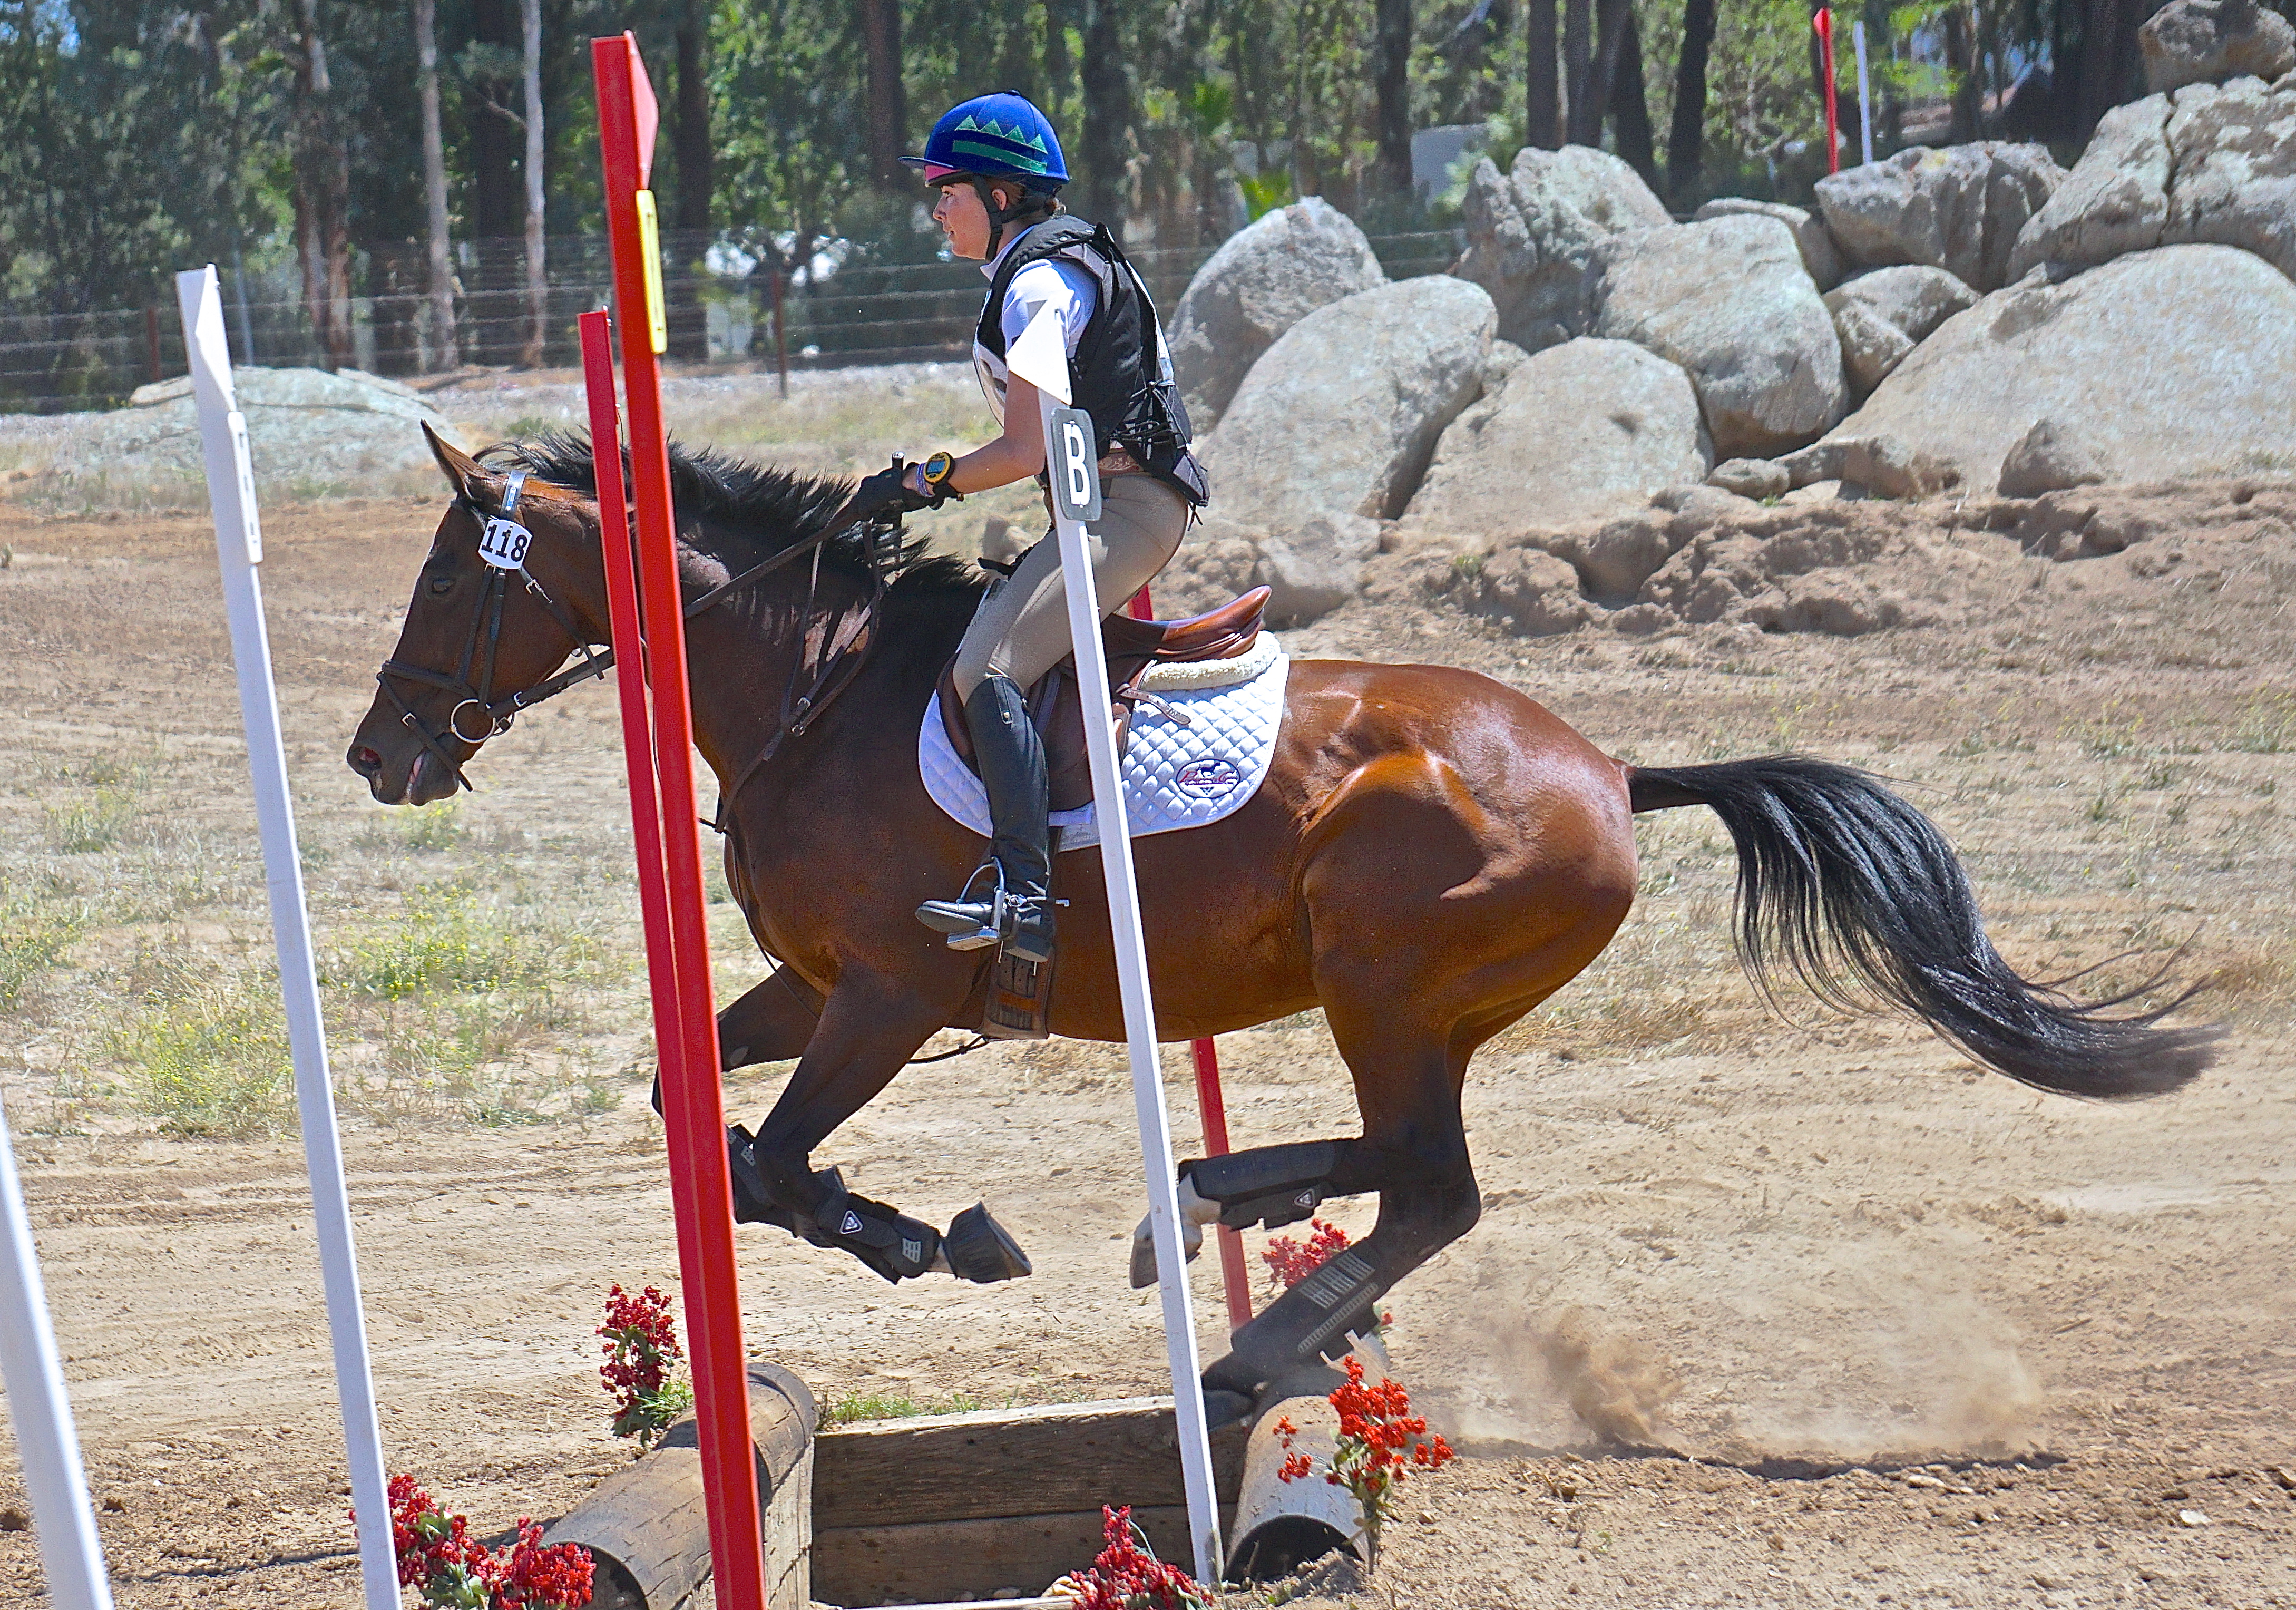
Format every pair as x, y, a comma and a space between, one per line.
1414, 1152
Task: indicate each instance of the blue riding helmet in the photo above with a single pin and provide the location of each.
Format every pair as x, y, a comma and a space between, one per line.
994, 136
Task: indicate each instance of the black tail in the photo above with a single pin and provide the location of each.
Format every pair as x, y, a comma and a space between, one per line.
1858, 891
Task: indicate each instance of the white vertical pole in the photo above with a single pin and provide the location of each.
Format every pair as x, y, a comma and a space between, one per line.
1864, 106
1040, 356
239, 545
70, 1552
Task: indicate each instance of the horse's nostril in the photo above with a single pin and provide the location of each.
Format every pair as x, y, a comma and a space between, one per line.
365, 761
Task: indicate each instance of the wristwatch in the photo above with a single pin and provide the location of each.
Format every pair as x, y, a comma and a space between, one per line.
934, 473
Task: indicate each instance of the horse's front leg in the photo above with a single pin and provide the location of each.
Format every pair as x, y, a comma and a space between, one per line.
869, 1027
770, 1024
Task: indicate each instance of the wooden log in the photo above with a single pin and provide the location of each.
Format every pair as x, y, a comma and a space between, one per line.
971, 1560
1280, 1525
1057, 1459
647, 1526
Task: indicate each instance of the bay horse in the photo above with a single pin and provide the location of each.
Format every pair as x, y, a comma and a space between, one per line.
1432, 855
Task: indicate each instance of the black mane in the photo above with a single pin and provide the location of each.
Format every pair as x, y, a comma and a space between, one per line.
741, 512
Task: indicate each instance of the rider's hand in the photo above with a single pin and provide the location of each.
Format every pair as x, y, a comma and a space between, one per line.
887, 489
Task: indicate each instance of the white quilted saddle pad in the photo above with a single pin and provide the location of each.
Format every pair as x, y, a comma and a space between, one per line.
1175, 777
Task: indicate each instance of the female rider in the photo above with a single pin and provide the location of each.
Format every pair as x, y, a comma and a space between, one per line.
997, 166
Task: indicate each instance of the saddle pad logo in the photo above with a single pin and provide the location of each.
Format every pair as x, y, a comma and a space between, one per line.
1209, 779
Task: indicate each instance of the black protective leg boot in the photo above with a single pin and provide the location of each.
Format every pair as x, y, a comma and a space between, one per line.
1016, 910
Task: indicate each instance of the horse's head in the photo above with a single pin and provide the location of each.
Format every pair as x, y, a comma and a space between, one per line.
476, 634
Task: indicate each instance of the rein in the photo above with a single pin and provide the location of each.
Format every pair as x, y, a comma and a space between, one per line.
836, 668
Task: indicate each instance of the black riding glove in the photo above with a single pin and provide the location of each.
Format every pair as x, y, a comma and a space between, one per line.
885, 491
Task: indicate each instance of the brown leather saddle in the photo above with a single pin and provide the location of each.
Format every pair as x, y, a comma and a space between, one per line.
1133, 646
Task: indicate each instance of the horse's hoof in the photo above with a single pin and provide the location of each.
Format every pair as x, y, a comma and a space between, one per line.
1225, 1407
979, 1249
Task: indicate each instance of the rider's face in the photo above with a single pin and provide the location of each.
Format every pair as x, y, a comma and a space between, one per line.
964, 220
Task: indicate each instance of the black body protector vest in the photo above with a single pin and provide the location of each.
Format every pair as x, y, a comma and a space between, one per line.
1113, 375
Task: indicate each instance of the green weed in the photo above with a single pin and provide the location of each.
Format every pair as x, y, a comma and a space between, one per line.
2266, 726
93, 822
446, 946
33, 935
209, 1059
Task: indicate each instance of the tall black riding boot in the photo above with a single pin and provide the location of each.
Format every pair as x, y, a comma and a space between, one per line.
1016, 911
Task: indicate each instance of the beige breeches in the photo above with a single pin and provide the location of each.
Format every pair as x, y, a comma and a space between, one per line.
1021, 627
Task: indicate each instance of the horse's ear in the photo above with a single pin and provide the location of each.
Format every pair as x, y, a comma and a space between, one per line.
462, 471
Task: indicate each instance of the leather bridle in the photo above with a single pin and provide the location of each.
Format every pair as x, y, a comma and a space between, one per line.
834, 659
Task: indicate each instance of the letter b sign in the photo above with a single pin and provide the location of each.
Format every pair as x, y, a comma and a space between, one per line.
1074, 466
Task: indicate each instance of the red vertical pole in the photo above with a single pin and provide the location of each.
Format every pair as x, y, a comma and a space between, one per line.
630, 683
694, 1114
1235, 1279
1823, 23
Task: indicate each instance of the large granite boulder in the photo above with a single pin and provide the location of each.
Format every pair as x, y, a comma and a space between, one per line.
1958, 209
1577, 431
349, 431
1333, 430
1819, 254
2210, 41
2174, 362
1730, 301
1533, 235
2208, 163
1263, 280
1885, 313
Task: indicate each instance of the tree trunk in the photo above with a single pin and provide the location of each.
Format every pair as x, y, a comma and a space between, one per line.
689, 129
537, 282
443, 355
1630, 105
1543, 91
1611, 19
1058, 81
1686, 141
1968, 86
689, 139
889, 102
1578, 67
1107, 115
322, 184
1390, 77
497, 204
2108, 47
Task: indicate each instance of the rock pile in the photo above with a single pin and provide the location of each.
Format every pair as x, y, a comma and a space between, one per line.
305, 428
1262, 281
1971, 319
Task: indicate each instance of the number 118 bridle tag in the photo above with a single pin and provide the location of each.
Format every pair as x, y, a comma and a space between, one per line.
504, 544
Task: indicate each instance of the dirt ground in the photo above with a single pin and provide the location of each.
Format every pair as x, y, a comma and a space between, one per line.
1761, 1310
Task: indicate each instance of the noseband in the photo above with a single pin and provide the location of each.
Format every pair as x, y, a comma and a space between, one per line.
835, 664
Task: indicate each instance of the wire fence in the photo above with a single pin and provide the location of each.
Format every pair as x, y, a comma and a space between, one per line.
722, 308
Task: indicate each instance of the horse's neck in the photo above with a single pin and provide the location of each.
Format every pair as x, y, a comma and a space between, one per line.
747, 664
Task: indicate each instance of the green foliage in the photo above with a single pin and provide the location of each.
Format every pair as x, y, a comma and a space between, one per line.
34, 932
444, 946
208, 1058
93, 821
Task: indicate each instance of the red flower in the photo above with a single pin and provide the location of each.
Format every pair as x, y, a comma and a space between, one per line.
1379, 1439
1128, 1576
1290, 1262
639, 1337
439, 1559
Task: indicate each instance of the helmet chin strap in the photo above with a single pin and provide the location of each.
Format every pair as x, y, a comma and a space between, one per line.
1031, 207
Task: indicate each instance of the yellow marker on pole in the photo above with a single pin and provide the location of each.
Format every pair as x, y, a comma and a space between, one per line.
649, 241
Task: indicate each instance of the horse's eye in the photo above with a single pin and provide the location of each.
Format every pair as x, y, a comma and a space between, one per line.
444, 584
